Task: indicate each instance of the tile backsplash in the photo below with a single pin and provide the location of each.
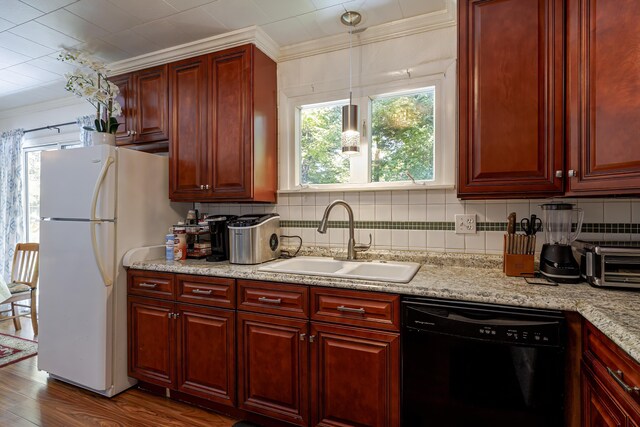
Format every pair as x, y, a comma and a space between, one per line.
424, 219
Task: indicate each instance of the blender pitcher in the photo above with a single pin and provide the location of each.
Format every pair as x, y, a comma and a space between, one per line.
557, 262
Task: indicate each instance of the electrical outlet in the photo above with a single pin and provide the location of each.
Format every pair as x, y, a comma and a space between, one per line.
466, 224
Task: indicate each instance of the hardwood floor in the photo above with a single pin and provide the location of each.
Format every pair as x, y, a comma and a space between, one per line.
28, 397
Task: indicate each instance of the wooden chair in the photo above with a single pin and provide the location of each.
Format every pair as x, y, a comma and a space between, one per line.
23, 284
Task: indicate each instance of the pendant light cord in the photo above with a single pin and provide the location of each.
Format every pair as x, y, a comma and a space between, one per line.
350, 61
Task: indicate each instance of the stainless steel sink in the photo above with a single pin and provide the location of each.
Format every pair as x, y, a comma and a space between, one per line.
384, 271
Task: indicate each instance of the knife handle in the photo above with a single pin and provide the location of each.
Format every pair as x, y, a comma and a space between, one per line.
511, 223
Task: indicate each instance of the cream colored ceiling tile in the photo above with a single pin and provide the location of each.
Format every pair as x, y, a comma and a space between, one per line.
48, 5
52, 65
29, 70
9, 58
71, 25
288, 31
145, 10
5, 25
236, 14
188, 4
420, 7
324, 22
321, 4
278, 10
19, 79
21, 45
132, 43
376, 12
44, 35
197, 24
163, 33
104, 14
18, 12
103, 51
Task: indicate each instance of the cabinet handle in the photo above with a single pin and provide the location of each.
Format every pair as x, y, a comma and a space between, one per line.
270, 300
206, 187
559, 174
170, 315
148, 285
351, 310
133, 132
302, 337
201, 292
312, 338
617, 376
572, 173
128, 133
202, 186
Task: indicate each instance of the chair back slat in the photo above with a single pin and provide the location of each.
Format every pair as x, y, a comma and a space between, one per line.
25, 264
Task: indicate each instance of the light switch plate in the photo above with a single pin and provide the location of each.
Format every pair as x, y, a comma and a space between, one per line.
465, 224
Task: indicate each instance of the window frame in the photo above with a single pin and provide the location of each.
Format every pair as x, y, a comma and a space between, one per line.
445, 138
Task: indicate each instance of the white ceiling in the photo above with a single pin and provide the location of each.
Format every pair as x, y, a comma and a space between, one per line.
32, 32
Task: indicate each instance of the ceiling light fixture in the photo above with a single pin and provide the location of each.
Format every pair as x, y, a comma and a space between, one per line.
350, 134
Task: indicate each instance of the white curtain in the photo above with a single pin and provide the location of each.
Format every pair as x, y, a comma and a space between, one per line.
85, 135
12, 218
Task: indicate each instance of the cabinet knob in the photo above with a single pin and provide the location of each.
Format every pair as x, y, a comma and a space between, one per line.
302, 337
572, 173
206, 187
128, 133
312, 338
133, 132
559, 174
202, 186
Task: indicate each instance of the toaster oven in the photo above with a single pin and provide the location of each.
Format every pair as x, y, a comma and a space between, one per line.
609, 263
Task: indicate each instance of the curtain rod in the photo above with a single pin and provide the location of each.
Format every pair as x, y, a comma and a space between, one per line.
50, 127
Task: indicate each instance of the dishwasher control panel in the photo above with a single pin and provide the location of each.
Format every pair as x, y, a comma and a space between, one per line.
517, 326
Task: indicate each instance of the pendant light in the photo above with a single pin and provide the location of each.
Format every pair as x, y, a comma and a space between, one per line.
350, 134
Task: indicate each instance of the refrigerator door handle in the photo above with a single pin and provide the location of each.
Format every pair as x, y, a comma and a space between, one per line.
94, 202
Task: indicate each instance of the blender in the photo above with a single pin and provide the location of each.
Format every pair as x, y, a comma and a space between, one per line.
557, 262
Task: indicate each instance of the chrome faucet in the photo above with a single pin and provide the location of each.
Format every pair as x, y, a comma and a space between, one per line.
352, 248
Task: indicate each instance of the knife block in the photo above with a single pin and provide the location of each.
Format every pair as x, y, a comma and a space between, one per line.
517, 265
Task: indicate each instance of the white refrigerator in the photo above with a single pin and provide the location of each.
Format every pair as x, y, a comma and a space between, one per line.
96, 204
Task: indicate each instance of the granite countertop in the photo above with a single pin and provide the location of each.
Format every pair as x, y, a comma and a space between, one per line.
461, 277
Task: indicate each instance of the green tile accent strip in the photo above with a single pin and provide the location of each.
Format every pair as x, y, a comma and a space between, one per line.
449, 226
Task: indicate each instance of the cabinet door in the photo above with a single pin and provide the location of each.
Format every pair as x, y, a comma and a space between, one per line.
598, 408
206, 353
230, 125
510, 98
151, 341
354, 377
152, 106
189, 149
603, 106
126, 100
272, 367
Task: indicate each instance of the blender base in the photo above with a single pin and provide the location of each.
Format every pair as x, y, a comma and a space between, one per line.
558, 264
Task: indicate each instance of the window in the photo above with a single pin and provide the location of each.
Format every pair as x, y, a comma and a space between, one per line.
407, 128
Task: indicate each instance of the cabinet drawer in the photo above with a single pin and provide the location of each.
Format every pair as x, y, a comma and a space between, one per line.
214, 291
367, 309
151, 284
617, 370
273, 298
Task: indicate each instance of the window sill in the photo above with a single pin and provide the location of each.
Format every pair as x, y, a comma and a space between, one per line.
366, 187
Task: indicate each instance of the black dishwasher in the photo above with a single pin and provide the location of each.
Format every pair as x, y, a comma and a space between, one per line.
472, 364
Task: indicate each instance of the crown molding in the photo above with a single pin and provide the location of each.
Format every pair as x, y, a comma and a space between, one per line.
253, 35
405, 27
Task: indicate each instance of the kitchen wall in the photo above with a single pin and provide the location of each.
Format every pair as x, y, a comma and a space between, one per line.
423, 219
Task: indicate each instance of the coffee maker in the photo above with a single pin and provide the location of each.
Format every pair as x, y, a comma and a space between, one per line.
557, 262
219, 237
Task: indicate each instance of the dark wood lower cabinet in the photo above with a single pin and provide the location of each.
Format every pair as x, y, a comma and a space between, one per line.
206, 353
151, 341
598, 407
355, 377
272, 367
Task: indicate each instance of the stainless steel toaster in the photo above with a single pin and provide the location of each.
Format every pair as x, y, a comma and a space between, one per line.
254, 239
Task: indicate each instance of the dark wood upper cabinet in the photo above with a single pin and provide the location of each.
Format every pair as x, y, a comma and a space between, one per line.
145, 107
189, 149
510, 98
603, 106
223, 145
